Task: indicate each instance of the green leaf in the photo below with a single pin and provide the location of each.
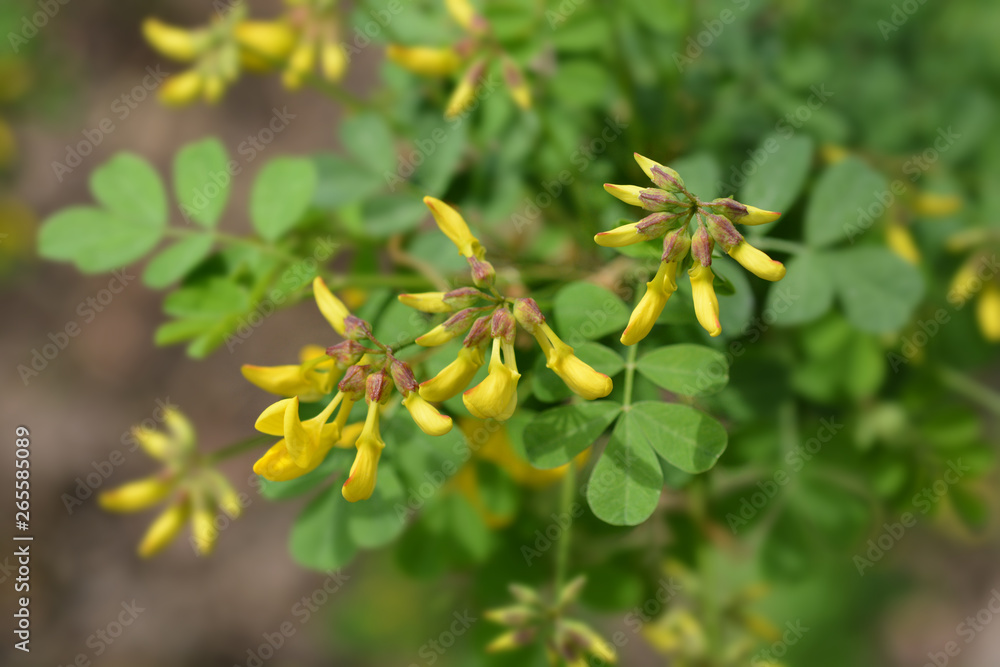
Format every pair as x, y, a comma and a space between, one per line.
777, 182
804, 294
600, 357
878, 289
582, 83
585, 311
177, 331
388, 215
281, 195
95, 240
212, 299
177, 261
321, 537
374, 523
691, 370
554, 437
625, 485
202, 181
833, 213
368, 138
340, 182
440, 147
686, 438
129, 187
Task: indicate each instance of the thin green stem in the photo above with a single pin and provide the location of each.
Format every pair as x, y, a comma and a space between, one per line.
237, 448
633, 352
961, 383
565, 510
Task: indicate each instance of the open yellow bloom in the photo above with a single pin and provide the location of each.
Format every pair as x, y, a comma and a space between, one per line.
582, 380
332, 308
645, 314
426, 417
310, 380
988, 311
757, 262
360, 483
137, 495
706, 304
278, 464
425, 60
496, 396
164, 529
454, 377
455, 228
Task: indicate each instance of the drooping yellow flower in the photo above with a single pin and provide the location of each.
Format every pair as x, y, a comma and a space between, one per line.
173, 42
620, 236
581, 379
426, 302
465, 92
425, 60
455, 228
645, 314
182, 89
454, 377
264, 44
307, 441
901, 242
203, 531
360, 482
933, 205
164, 529
332, 308
626, 193
758, 216
137, 495
462, 11
496, 396
706, 304
988, 311
757, 262
426, 417
310, 380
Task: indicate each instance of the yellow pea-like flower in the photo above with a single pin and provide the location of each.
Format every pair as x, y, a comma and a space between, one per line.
425, 60
426, 416
461, 98
427, 302
496, 396
758, 216
281, 380
439, 335
265, 43
462, 11
706, 304
620, 236
332, 308
333, 61
931, 204
454, 377
581, 379
164, 529
203, 530
182, 89
360, 482
136, 496
757, 262
647, 311
901, 242
455, 228
173, 42
306, 440
988, 311
626, 193
300, 64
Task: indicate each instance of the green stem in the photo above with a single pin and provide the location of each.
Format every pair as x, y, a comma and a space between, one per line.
237, 448
566, 510
962, 384
633, 352
780, 245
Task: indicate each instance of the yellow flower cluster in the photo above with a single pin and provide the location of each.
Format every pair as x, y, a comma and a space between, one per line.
673, 209
306, 37
496, 396
360, 373
475, 52
197, 492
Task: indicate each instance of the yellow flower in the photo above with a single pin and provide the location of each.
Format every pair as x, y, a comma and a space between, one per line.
173, 42
455, 377
645, 314
426, 417
578, 376
496, 396
427, 302
278, 464
757, 262
901, 242
439, 335
465, 92
203, 530
706, 304
182, 89
620, 236
333, 60
425, 60
137, 495
758, 216
309, 440
455, 228
264, 43
988, 311
360, 483
300, 64
310, 380
333, 310
626, 193
164, 529
931, 204
462, 11
832, 153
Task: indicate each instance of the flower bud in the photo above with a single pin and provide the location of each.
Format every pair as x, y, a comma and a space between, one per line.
483, 273
164, 529
424, 60
757, 262
455, 228
330, 306
378, 386
528, 314
346, 353
701, 246
740, 213
403, 376
512, 616
137, 495
465, 93
663, 177
513, 640
516, 84
354, 381
356, 329
479, 332
457, 324
182, 89
676, 244
463, 297
653, 199
462, 11
721, 230
176, 43
271, 40
503, 325
426, 302
988, 312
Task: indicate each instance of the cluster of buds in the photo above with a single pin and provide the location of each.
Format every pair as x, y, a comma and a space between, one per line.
308, 33
473, 55
674, 211
362, 368
978, 277
483, 315
530, 619
194, 490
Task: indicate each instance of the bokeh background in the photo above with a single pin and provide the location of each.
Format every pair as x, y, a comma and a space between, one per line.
210, 611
